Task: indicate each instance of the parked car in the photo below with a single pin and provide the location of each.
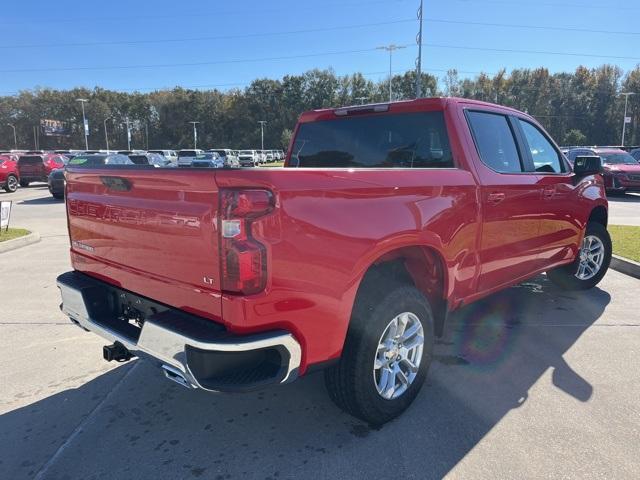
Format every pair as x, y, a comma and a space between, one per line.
248, 158
208, 160
185, 157
621, 170
149, 158
9, 174
635, 153
228, 156
170, 155
36, 167
57, 180
386, 218
56, 183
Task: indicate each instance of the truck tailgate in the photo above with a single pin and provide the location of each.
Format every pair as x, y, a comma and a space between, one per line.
151, 231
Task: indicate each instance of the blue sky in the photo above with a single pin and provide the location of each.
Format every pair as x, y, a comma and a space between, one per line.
64, 43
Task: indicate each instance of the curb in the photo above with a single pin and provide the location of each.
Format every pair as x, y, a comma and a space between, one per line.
626, 266
33, 237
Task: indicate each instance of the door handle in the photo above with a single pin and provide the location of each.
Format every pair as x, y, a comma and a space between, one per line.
496, 197
548, 192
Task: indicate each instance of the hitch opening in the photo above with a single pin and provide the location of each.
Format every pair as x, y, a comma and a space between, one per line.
116, 352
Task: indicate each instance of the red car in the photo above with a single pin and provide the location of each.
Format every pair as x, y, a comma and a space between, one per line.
621, 169
386, 218
9, 175
36, 167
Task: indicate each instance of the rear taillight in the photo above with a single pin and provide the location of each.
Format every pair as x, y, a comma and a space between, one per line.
243, 259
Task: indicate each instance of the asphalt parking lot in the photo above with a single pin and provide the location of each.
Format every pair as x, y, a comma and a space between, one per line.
529, 383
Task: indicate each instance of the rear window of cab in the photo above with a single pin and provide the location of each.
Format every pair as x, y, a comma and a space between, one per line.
401, 140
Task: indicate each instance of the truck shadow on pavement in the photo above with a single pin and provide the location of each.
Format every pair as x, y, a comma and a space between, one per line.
132, 423
41, 201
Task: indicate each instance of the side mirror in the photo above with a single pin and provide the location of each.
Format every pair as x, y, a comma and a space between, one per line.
585, 166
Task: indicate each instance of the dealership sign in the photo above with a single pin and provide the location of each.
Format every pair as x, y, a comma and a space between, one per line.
55, 128
5, 214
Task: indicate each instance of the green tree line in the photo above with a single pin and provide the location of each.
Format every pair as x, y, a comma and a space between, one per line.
581, 107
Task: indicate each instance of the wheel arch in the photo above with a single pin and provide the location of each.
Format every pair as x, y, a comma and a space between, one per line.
599, 215
421, 266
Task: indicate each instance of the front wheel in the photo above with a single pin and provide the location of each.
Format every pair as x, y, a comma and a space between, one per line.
386, 355
591, 263
12, 184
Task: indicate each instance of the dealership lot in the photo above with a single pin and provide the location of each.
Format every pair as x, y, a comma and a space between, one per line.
532, 382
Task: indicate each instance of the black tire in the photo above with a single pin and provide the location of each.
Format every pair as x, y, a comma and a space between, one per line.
11, 184
24, 183
351, 383
565, 277
58, 196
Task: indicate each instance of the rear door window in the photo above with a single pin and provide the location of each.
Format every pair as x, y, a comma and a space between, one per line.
546, 159
409, 140
495, 141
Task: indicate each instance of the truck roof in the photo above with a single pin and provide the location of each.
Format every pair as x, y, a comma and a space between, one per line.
404, 106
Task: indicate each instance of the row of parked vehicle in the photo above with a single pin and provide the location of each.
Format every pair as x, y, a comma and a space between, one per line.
20, 168
621, 169
227, 157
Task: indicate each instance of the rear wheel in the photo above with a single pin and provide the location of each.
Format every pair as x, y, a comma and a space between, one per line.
24, 183
591, 263
12, 184
386, 355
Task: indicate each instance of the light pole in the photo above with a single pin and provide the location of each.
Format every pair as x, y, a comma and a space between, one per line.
127, 122
390, 48
84, 123
624, 120
106, 138
195, 134
262, 124
419, 59
15, 138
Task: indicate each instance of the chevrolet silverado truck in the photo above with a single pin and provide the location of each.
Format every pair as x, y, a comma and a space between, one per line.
384, 219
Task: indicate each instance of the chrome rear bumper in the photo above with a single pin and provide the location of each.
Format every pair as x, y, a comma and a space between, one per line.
193, 351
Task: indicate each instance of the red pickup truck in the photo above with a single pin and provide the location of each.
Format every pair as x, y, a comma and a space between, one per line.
385, 218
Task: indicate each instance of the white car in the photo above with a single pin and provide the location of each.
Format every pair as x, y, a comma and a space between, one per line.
170, 155
248, 158
186, 157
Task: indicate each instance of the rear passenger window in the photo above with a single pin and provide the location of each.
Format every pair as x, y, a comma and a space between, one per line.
495, 142
409, 140
545, 157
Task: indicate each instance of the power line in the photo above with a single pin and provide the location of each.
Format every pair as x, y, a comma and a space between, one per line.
198, 39
548, 4
532, 27
538, 52
315, 30
202, 14
191, 64
312, 55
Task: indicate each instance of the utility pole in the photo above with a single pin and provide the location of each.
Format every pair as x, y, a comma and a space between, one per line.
419, 59
85, 126
127, 123
146, 134
15, 138
390, 48
106, 138
362, 99
626, 96
195, 134
35, 139
262, 124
